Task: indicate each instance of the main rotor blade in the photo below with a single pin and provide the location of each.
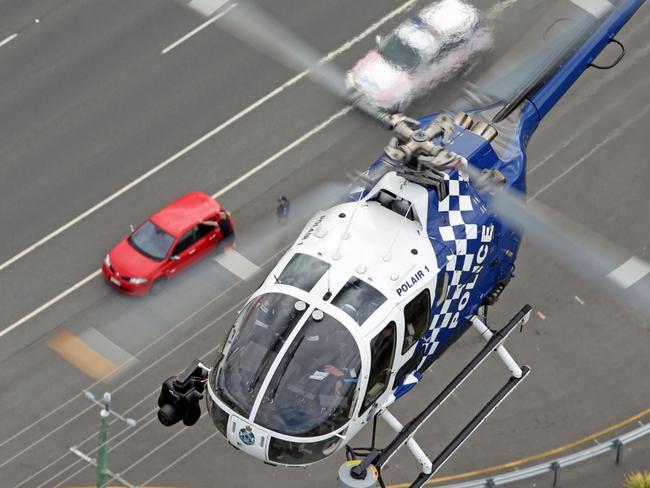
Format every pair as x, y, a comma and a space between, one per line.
266, 237
582, 250
252, 25
560, 29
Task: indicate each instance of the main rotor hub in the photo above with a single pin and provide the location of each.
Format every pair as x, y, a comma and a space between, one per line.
413, 146
416, 156
419, 136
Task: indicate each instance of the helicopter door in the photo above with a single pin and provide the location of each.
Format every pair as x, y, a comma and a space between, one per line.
416, 322
382, 353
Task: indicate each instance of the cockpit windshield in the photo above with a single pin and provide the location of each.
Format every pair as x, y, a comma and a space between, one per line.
260, 332
303, 271
314, 388
358, 299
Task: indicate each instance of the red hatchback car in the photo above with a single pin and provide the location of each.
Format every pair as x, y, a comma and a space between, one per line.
167, 243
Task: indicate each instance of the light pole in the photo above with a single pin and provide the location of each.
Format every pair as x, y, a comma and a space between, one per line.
102, 453
103, 473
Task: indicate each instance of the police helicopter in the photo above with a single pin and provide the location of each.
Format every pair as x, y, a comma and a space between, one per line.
375, 289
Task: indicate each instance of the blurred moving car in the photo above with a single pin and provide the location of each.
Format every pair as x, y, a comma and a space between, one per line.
421, 52
168, 242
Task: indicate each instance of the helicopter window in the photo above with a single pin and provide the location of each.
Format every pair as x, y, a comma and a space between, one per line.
314, 388
287, 452
416, 319
398, 205
358, 299
382, 352
260, 332
303, 271
384, 197
219, 417
409, 366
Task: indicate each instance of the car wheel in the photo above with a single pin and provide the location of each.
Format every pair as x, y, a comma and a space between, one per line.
157, 286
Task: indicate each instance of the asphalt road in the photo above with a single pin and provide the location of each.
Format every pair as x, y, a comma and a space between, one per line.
90, 105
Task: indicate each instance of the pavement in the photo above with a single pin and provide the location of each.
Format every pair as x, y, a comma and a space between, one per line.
100, 128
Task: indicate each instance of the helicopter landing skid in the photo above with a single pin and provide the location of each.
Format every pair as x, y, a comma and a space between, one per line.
366, 473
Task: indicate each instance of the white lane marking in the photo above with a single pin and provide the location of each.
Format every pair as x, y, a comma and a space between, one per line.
237, 264
206, 7
597, 8
610, 137
207, 136
629, 272
198, 29
540, 315
48, 304
579, 300
283, 151
7, 40
105, 347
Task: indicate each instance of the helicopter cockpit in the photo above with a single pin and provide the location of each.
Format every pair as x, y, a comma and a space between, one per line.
290, 369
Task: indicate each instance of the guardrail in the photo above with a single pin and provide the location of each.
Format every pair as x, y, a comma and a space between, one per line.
556, 465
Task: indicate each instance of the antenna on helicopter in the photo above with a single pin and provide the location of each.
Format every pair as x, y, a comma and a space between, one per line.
346, 233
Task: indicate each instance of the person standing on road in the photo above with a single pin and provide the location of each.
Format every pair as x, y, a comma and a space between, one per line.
282, 209
287, 207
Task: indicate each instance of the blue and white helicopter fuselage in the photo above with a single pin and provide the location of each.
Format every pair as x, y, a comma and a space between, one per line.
402, 270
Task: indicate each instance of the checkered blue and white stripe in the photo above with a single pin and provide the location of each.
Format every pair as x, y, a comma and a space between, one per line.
462, 239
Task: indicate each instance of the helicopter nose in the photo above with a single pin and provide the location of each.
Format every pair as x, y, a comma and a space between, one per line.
248, 437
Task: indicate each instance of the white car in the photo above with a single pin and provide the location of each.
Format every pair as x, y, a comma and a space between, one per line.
421, 52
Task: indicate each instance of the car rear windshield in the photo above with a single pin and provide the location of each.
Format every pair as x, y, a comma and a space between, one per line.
358, 299
400, 54
303, 271
151, 241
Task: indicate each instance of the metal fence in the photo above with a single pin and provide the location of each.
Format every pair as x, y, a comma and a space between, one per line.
556, 465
